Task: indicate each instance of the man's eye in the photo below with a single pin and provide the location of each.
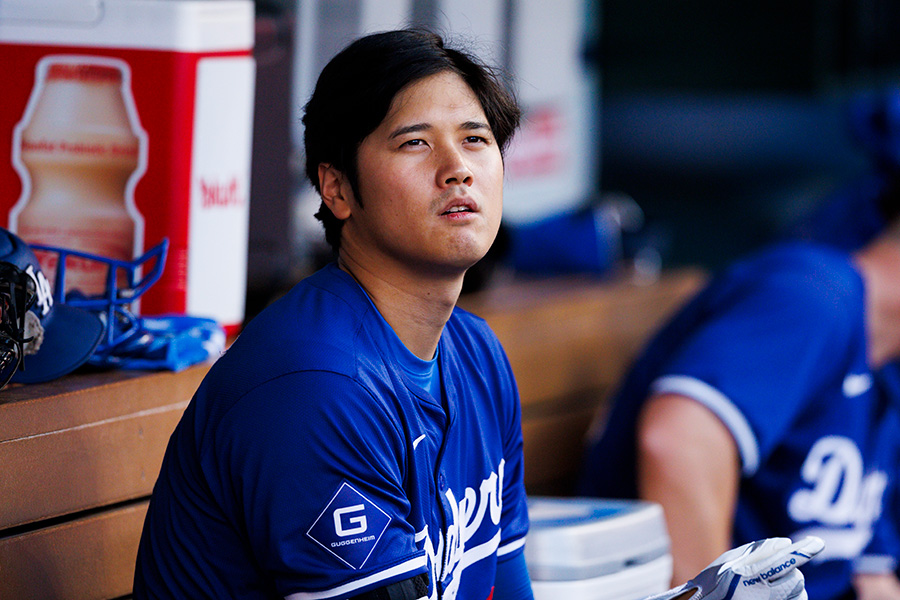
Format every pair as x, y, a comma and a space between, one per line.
476, 139
415, 142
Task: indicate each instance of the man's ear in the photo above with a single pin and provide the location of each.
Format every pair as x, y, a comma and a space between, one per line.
335, 190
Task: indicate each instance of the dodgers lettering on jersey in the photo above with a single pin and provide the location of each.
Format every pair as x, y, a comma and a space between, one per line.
842, 499
451, 556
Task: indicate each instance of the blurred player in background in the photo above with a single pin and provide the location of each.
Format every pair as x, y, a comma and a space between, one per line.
763, 409
860, 209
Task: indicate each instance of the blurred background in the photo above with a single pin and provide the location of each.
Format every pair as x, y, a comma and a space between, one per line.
724, 123
656, 135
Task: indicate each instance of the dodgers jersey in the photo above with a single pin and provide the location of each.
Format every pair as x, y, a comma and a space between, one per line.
309, 465
776, 348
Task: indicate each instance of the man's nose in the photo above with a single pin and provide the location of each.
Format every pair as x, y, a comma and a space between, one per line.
454, 169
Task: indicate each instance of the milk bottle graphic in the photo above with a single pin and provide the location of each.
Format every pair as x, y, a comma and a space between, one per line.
80, 151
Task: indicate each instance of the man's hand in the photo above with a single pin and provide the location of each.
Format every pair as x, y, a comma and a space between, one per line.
763, 570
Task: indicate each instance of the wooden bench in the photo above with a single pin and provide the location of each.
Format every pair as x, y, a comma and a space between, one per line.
78, 459
569, 341
78, 456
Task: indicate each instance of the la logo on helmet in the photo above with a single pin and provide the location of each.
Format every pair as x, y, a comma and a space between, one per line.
42, 288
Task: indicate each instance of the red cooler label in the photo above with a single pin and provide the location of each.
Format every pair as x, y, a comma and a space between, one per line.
110, 150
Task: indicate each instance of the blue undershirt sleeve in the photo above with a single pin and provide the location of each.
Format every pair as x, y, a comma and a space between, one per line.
512, 581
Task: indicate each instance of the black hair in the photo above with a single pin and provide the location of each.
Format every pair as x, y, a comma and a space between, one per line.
355, 91
889, 198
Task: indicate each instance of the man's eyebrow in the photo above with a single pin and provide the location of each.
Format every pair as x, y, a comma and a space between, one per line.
469, 125
416, 127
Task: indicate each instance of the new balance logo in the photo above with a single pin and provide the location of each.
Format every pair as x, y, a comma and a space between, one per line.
770, 573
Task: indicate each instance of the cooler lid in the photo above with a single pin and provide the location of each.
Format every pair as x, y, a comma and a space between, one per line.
578, 538
60, 11
177, 25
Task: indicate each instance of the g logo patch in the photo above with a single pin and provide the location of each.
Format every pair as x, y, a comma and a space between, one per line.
349, 526
359, 521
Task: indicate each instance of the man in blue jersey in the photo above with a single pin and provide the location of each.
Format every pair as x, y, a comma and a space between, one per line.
768, 406
361, 438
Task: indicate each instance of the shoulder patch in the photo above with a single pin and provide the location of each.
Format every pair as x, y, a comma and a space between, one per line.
350, 526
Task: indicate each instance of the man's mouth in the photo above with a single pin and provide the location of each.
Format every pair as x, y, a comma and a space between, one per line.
457, 209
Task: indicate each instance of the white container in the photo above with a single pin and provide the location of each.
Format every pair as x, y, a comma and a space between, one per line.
187, 75
596, 549
552, 165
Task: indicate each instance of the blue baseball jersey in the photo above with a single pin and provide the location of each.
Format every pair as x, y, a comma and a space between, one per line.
311, 465
776, 347
849, 218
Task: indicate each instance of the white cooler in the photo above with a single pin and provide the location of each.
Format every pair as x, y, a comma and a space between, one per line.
186, 73
597, 549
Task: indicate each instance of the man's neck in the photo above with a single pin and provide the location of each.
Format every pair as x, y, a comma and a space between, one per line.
880, 266
416, 307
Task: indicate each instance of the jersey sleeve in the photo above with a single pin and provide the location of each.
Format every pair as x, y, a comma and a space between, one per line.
311, 467
514, 520
880, 556
762, 350
883, 551
512, 581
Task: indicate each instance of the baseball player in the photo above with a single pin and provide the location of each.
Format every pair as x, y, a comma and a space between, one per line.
768, 406
361, 438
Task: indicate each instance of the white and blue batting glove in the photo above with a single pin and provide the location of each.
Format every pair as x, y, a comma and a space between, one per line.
763, 570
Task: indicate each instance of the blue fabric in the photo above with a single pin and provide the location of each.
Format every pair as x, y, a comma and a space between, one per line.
425, 374
848, 219
164, 342
512, 581
309, 463
571, 242
776, 347
875, 123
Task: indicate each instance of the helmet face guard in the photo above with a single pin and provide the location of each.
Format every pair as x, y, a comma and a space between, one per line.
126, 340
18, 293
125, 283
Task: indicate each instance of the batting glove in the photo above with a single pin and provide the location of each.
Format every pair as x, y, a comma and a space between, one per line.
763, 570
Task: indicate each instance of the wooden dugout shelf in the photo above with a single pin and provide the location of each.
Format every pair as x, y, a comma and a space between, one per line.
78, 460
91, 556
569, 341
